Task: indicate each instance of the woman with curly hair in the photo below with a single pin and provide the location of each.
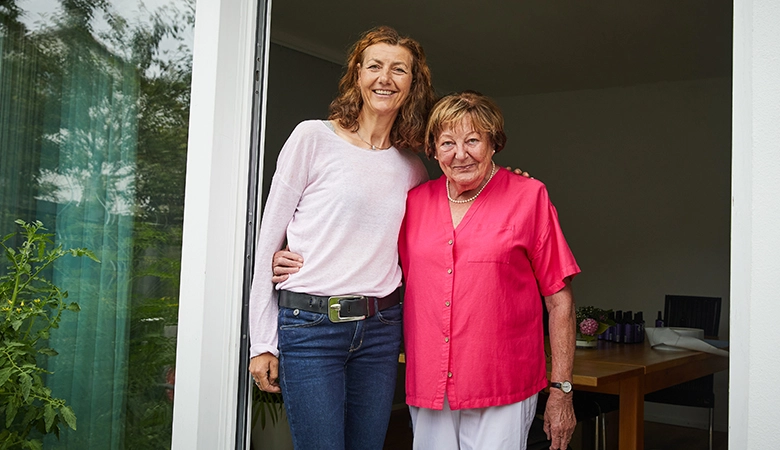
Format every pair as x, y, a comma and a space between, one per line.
328, 338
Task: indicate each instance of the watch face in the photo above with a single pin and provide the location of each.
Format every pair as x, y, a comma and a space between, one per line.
566, 387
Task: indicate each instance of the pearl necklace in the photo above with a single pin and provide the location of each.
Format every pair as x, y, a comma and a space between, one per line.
373, 147
492, 172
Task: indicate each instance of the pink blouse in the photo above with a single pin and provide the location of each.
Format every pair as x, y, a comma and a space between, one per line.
472, 308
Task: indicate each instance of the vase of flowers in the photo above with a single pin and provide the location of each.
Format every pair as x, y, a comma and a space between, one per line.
591, 322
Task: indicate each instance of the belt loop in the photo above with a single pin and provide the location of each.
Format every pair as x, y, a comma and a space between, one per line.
374, 305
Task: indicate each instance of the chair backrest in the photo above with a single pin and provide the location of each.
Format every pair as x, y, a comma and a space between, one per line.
693, 312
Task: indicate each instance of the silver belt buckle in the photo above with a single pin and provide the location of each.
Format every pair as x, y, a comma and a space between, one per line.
334, 308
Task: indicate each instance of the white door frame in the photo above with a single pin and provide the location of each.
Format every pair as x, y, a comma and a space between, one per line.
215, 212
755, 220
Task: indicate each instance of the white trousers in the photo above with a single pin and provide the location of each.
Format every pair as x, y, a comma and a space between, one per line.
493, 428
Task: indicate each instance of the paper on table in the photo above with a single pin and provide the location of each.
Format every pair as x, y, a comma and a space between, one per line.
667, 336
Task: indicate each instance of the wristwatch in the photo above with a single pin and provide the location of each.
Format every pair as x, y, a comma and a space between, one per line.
565, 386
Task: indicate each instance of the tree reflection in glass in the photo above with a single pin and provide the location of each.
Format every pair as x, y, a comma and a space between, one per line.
94, 102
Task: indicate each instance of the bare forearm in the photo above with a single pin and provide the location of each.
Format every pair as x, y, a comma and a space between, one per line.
559, 420
560, 307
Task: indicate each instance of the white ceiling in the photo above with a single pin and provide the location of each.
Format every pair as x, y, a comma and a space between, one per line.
506, 48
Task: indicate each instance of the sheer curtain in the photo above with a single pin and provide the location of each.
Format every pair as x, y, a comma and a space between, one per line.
94, 194
94, 112
19, 125
68, 134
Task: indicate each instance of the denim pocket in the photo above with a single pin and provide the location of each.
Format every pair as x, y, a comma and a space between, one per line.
297, 318
391, 315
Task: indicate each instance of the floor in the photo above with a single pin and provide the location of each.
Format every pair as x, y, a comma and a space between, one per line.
657, 436
399, 433
661, 436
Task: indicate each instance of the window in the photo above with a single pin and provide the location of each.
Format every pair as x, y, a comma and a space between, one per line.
94, 111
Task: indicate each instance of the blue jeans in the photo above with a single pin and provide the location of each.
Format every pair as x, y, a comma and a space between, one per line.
338, 379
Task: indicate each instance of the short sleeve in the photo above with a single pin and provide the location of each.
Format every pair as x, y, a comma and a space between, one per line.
552, 259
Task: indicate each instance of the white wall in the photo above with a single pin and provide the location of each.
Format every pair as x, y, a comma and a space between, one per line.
640, 176
755, 361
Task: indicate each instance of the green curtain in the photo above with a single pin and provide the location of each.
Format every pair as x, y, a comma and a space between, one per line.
68, 131
95, 196
93, 134
19, 126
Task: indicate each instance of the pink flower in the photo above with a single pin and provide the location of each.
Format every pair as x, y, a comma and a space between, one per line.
589, 327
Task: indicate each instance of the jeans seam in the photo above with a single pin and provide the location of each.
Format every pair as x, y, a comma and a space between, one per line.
388, 322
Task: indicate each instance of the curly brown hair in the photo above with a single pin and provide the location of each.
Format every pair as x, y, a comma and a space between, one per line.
485, 117
408, 130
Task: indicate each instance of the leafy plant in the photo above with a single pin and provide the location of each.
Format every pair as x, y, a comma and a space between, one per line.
266, 405
30, 307
591, 322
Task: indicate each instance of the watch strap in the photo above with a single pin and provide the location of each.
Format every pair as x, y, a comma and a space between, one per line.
560, 385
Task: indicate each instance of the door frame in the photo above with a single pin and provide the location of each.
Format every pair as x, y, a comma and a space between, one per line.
218, 165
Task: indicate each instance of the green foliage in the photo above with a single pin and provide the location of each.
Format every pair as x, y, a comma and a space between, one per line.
30, 307
149, 408
265, 405
163, 117
591, 312
599, 315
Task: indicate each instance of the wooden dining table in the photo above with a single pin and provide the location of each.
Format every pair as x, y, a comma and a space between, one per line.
633, 370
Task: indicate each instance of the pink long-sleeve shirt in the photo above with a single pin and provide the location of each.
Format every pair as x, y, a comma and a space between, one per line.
340, 207
472, 308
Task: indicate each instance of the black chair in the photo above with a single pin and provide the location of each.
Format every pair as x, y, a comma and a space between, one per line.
587, 406
597, 405
691, 312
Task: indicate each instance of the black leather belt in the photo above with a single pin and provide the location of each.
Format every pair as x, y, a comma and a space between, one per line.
339, 308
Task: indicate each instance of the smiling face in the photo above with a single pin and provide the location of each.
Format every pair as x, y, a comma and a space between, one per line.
464, 154
385, 78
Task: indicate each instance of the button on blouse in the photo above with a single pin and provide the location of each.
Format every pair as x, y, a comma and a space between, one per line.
506, 253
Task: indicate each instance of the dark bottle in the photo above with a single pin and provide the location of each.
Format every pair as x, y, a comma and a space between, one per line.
639, 327
659, 322
602, 336
618, 336
610, 333
628, 328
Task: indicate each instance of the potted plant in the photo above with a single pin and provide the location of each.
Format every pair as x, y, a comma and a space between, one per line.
30, 307
591, 322
267, 407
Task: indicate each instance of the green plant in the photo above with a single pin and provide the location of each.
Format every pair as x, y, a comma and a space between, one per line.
30, 307
591, 322
266, 405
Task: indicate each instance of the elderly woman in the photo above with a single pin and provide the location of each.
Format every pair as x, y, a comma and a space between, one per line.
330, 341
477, 247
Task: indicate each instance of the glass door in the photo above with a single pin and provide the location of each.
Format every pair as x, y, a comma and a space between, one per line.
94, 111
